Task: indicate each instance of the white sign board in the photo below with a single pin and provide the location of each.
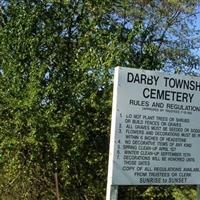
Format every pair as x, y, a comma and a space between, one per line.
155, 136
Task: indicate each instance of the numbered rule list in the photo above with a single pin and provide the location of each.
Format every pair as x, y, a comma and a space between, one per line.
155, 129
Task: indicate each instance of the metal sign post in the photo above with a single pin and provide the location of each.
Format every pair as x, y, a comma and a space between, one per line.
112, 192
198, 192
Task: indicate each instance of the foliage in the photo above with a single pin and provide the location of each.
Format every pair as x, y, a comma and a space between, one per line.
56, 67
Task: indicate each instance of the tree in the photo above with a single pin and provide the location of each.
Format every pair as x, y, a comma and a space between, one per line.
57, 60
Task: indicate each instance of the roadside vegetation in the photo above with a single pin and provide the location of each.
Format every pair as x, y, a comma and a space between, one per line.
56, 69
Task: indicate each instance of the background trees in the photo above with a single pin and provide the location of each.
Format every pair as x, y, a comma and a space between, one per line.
56, 69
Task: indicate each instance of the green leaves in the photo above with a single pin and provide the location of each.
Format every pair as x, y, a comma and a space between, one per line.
56, 69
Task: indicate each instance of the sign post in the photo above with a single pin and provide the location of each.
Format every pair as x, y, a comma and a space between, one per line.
112, 192
198, 192
155, 132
